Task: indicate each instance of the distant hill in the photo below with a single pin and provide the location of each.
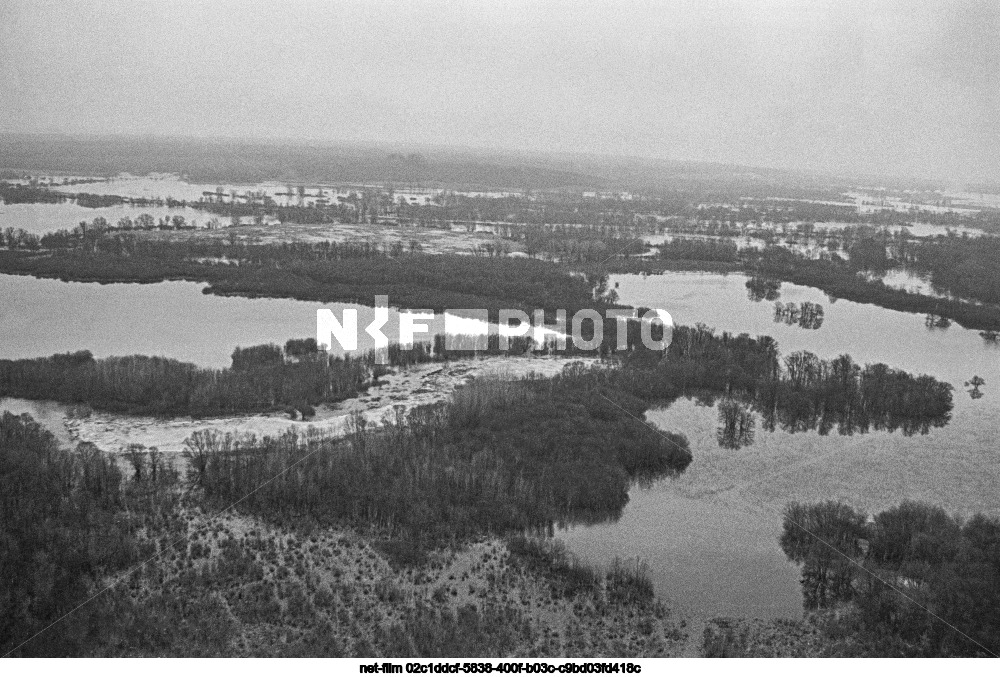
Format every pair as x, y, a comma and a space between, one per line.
233, 161
250, 162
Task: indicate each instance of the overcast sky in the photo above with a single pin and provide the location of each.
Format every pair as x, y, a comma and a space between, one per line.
900, 88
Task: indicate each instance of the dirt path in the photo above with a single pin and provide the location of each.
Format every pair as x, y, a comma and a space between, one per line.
695, 630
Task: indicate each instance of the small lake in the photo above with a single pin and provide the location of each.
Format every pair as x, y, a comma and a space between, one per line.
710, 536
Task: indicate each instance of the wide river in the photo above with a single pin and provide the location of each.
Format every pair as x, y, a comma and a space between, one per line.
710, 536
40, 317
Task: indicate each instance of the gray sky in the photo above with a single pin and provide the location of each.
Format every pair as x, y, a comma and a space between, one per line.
901, 88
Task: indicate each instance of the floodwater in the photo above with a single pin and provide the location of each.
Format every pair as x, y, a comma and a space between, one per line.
710, 536
162, 186
41, 317
42, 218
917, 228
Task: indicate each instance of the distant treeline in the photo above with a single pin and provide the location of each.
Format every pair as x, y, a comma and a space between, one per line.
325, 272
840, 280
734, 210
689, 249
19, 193
963, 266
578, 244
916, 581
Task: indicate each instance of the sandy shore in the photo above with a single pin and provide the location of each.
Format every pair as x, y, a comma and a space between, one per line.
419, 385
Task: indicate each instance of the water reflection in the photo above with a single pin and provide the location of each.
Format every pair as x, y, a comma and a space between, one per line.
711, 534
974, 384
806, 315
736, 425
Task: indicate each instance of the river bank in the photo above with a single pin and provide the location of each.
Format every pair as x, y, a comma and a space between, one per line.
403, 388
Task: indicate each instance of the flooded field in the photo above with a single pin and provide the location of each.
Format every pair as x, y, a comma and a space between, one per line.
710, 536
42, 218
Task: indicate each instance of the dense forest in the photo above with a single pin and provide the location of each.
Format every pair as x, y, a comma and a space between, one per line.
62, 529
913, 580
500, 457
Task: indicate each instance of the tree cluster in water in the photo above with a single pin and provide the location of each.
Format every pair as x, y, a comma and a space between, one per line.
807, 315
763, 289
915, 580
798, 393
